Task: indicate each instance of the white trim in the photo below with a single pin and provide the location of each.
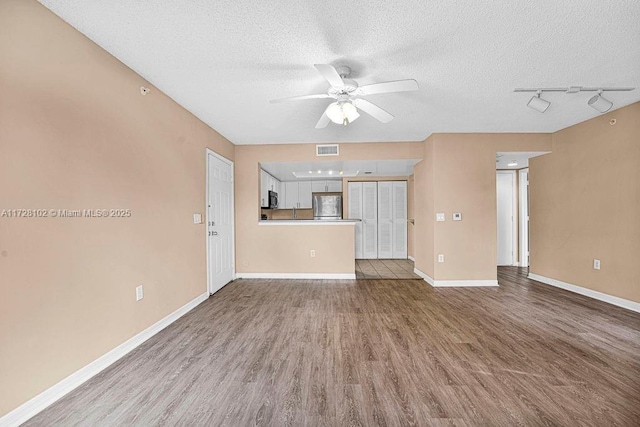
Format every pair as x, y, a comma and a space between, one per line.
620, 302
454, 283
34, 406
514, 220
307, 222
523, 209
425, 276
464, 283
411, 258
328, 276
233, 215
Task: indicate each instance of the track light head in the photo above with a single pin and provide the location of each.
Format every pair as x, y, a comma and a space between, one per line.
598, 102
537, 103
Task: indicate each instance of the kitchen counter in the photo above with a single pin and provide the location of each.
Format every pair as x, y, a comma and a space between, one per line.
307, 222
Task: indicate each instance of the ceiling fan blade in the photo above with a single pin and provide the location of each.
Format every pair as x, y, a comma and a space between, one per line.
298, 98
323, 122
386, 87
373, 110
330, 73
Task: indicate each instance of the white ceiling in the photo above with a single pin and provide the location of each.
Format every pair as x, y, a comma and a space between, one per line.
284, 170
224, 60
521, 158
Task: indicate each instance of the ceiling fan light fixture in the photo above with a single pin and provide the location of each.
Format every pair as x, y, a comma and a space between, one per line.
537, 103
342, 112
600, 103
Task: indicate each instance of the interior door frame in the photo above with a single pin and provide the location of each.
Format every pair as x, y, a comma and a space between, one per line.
208, 152
523, 209
514, 218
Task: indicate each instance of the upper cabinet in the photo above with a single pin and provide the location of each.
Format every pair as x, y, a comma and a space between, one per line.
264, 189
267, 183
297, 195
329, 186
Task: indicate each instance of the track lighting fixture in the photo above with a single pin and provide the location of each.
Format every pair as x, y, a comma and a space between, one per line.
600, 103
538, 103
597, 102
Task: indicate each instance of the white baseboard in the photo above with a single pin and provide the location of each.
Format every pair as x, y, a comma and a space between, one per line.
454, 283
425, 276
328, 276
411, 258
34, 406
464, 283
620, 302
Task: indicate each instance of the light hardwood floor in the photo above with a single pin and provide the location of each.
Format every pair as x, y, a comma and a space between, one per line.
376, 352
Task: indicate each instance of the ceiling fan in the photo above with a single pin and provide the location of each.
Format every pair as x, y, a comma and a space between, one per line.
346, 92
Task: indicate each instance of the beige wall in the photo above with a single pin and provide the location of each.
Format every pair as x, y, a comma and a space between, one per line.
462, 178
585, 204
285, 249
76, 133
411, 212
423, 181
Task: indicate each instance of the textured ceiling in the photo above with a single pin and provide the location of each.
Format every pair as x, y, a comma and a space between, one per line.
224, 60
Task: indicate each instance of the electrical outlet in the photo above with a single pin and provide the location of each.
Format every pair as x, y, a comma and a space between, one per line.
440, 257
197, 218
139, 293
312, 253
457, 216
596, 264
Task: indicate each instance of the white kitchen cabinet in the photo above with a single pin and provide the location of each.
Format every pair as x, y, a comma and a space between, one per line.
318, 186
291, 195
304, 195
296, 195
264, 189
268, 183
328, 186
334, 186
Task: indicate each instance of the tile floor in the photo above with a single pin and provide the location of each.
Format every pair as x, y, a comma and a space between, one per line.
385, 269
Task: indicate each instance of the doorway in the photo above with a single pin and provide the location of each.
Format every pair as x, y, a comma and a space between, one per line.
506, 209
220, 222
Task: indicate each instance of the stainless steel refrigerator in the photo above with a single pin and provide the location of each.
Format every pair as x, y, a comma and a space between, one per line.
327, 206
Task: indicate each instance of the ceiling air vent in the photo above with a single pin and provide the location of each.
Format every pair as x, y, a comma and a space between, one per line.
327, 150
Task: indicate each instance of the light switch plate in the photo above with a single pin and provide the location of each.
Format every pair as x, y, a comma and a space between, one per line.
139, 293
596, 264
440, 257
197, 218
440, 216
457, 216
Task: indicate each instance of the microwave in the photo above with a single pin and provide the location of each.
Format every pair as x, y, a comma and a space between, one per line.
273, 200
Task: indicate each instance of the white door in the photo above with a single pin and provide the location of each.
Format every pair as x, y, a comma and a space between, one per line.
385, 219
220, 238
370, 220
355, 212
505, 188
399, 220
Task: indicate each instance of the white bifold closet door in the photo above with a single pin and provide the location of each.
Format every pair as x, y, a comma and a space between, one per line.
355, 212
392, 219
363, 205
370, 220
399, 219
